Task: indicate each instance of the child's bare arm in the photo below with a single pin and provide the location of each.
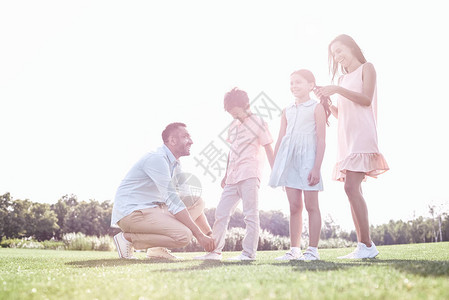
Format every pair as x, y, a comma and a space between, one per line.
270, 154
281, 135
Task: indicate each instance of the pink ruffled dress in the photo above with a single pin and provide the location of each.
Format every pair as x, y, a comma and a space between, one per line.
357, 133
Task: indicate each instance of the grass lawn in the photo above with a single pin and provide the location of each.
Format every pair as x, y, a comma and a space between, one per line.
418, 271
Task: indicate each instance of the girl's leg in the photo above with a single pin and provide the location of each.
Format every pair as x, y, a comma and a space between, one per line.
356, 224
313, 210
358, 205
295, 199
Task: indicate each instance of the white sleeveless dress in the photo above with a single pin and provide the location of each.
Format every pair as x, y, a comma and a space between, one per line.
296, 155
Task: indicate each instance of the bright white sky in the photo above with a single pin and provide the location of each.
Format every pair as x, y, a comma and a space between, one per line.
86, 87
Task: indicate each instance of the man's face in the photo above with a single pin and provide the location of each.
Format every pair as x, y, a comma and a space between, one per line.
182, 141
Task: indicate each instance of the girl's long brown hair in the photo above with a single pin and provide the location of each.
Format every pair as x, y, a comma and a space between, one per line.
325, 102
351, 44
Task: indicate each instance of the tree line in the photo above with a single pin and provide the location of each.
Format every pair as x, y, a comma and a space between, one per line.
24, 218
42, 221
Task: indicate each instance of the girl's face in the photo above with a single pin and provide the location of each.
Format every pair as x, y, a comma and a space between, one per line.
300, 87
342, 54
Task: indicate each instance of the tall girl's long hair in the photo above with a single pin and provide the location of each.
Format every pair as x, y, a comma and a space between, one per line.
325, 101
351, 44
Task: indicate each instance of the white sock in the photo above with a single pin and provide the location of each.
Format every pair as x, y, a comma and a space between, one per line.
313, 249
295, 250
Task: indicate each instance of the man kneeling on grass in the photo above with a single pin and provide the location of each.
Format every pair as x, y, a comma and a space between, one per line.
149, 209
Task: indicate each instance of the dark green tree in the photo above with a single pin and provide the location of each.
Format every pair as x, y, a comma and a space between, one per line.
90, 218
329, 229
5, 215
275, 222
41, 222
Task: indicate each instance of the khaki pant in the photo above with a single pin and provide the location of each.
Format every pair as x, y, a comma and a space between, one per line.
248, 191
157, 227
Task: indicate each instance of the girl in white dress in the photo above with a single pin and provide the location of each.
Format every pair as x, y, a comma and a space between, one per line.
298, 156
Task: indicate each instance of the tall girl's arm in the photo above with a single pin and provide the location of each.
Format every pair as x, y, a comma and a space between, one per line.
364, 98
320, 121
334, 110
282, 131
369, 83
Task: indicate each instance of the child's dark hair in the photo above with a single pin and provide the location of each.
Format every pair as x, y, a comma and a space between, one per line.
236, 97
307, 75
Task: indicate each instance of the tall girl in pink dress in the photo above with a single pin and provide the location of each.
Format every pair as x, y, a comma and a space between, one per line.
358, 155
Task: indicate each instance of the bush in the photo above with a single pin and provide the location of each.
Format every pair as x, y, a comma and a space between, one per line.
234, 239
76, 241
268, 241
336, 243
79, 241
53, 245
9, 243
103, 243
70, 241
27, 243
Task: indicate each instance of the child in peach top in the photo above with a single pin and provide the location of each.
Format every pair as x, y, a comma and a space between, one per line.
358, 153
247, 135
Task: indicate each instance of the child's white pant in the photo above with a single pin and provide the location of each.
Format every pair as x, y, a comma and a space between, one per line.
248, 191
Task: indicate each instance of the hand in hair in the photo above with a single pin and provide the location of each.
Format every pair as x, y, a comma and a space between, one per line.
325, 100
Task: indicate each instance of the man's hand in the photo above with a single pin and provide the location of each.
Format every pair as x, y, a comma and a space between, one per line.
206, 242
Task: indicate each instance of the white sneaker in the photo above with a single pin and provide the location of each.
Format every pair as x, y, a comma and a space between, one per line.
161, 252
209, 256
311, 255
366, 252
241, 257
362, 251
350, 255
291, 256
124, 248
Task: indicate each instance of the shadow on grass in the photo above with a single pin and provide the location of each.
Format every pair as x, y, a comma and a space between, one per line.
204, 264
93, 263
210, 264
418, 267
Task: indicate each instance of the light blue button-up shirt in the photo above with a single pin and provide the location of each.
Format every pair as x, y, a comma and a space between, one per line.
147, 183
